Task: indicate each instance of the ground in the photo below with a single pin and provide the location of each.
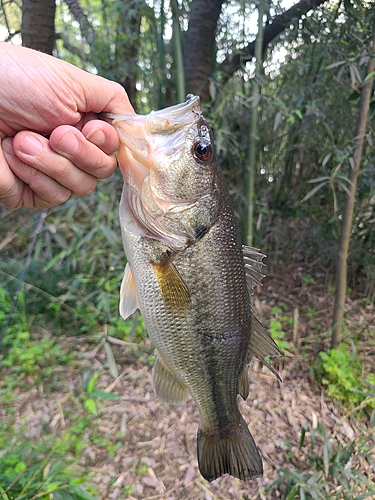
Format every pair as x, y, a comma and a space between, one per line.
146, 449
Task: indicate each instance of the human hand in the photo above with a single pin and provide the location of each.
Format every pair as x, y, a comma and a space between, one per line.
40, 96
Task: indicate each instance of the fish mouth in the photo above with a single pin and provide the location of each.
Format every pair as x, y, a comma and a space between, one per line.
148, 139
164, 120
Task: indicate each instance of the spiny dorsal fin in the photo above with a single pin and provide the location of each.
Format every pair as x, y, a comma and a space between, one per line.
166, 385
128, 293
173, 289
262, 345
253, 266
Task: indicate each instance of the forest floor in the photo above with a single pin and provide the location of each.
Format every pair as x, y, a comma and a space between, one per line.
140, 448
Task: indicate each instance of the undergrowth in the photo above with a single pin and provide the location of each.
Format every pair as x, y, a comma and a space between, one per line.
72, 289
342, 373
328, 468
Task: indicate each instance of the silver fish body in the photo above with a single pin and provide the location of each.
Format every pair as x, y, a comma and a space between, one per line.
186, 273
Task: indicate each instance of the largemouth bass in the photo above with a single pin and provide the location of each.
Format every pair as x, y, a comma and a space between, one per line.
191, 278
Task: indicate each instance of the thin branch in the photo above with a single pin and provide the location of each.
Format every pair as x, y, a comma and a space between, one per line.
85, 25
233, 62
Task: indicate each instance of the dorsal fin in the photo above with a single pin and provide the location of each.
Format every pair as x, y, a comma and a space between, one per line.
253, 266
262, 345
128, 293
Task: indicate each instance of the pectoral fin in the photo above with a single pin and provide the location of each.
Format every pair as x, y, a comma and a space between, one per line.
173, 289
128, 293
166, 385
262, 345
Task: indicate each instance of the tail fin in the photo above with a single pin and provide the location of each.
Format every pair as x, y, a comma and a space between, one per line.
234, 453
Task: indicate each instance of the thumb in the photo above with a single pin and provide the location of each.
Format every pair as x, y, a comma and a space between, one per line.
97, 94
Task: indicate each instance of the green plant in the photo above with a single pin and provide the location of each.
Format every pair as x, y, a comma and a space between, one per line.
11, 326
340, 371
330, 469
30, 471
276, 325
91, 393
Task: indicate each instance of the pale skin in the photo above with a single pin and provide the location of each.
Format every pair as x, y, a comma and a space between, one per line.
52, 143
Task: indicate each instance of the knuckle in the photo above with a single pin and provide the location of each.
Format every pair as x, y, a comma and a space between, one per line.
85, 188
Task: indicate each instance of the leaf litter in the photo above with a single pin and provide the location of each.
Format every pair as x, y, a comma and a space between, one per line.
154, 453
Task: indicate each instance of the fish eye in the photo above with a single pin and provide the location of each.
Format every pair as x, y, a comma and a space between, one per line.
202, 149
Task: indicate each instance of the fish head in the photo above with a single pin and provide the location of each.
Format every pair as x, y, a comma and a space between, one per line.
167, 162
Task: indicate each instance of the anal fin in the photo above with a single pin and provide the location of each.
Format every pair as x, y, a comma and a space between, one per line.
166, 385
243, 383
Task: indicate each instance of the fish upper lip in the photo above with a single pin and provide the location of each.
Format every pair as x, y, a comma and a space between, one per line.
171, 118
160, 133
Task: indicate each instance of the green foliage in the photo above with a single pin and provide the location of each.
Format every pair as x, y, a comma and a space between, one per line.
21, 355
332, 469
91, 393
276, 325
18, 324
42, 470
341, 372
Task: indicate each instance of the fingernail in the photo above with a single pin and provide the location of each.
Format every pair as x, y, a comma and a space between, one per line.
7, 147
96, 136
69, 143
31, 146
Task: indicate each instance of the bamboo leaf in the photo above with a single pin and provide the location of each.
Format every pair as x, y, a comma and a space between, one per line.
92, 382
104, 395
326, 457
372, 418
318, 179
91, 406
334, 65
111, 360
313, 191
326, 159
369, 76
277, 120
293, 493
81, 493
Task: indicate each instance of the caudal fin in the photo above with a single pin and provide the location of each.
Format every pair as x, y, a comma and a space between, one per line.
233, 453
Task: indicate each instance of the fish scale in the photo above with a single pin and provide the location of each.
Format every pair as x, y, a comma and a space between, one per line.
186, 273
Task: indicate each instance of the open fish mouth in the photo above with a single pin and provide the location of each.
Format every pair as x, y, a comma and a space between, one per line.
145, 139
156, 132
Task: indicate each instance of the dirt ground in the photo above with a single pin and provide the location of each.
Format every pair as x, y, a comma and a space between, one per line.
156, 443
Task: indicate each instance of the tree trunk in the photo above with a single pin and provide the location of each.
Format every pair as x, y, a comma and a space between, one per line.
199, 45
178, 58
127, 48
341, 265
38, 24
257, 85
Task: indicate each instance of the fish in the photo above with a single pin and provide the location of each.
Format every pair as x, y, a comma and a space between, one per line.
191, 278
